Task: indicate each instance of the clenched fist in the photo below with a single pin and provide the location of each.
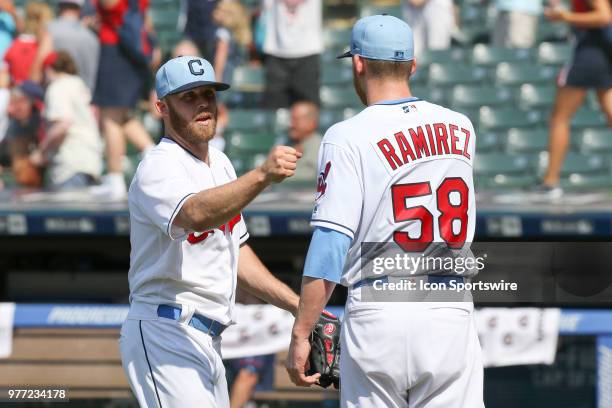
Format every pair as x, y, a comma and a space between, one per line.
280, 164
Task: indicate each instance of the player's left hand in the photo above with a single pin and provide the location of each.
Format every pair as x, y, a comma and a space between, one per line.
297, 363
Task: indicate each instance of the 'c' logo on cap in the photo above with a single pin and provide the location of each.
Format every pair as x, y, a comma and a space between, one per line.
196, 71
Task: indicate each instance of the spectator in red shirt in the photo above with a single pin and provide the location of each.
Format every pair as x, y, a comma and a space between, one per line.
22, 53
119, 86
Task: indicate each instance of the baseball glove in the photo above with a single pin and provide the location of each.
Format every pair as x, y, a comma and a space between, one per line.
324, 355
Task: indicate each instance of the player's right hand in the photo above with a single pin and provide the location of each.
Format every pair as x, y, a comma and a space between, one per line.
280, 164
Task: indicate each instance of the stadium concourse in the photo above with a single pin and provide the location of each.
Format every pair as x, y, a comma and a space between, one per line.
64, 255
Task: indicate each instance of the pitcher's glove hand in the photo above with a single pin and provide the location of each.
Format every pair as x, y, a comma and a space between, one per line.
325, 350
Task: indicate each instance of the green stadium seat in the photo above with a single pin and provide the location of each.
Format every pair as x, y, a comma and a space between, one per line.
242, 100
248, 119
487, 142
165, 19
248, 79
596, 141
554, 53
336, 39
438, 96
454, 74
337, 74
536, 97
554, 32
447, 57
526, 140
485, 55
473, 15
503, 170
586, 118
518, 74
371, 9
477, 96
250, 142
587, 181
576, 163
506, 118
339, 97
328, 117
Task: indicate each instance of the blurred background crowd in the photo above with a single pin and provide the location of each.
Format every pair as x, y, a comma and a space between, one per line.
77, 105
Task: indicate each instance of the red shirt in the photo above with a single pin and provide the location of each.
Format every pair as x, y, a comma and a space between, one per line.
112, 18
20, 56
581, 6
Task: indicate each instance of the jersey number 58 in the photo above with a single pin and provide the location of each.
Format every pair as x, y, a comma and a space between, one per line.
449, 212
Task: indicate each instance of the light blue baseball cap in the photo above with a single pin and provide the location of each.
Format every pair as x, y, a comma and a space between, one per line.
381, 37
183, 73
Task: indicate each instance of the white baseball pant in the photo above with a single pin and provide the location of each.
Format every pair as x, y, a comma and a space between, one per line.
170, 364
410, 355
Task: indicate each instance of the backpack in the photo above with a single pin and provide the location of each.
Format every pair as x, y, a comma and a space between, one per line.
133, 37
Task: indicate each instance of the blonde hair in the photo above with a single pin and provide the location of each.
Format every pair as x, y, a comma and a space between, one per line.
235, 17
37, 15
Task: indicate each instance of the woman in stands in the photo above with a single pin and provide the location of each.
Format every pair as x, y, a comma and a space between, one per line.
590, 68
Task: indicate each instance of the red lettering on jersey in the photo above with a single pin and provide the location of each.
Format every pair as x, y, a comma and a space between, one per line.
322, 181
467, 142
454, 139
430, 137
404, 147
201, 236
441, 138
389, 152
419, 142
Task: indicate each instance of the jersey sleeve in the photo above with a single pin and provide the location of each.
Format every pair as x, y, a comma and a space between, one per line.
339, 196
161, 191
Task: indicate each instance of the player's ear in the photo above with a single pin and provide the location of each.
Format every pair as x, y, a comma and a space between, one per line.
161, 107
359, 64
414, 66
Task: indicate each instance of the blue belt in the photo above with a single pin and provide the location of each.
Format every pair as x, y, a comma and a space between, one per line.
199, 322
430, 278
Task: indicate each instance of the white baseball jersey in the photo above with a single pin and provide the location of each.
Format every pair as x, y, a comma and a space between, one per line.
399, 171
169, 265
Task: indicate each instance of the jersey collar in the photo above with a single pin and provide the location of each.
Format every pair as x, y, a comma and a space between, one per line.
398, 101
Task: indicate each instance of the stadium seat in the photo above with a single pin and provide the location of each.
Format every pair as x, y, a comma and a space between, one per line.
526, 140
454, 74
518, 74
477, 96
337, 74
338, 97
576, 163
438, 96
336, 38
473, 15
585, 118
248, 79
535, 97
587, 181
165, 19
372, 9
248, 119
596, 141
504, 170
250, 142
487, 142
242, 100
554, 53
449, 56
485, 55
506, 118
554, 32
328, 117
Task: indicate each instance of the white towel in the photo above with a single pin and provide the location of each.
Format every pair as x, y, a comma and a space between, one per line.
517, 336
7, 314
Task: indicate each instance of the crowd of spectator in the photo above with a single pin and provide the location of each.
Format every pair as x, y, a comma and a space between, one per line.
75, 79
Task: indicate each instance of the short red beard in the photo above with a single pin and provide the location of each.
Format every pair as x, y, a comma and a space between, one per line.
188, 129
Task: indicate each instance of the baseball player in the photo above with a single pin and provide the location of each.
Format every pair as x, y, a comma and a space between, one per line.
189, 247
400, 173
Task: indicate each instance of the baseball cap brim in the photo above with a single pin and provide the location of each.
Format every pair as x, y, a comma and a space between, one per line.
219, 86
345, 55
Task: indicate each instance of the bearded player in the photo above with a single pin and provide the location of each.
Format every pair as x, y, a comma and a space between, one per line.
189, 247
399, 173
